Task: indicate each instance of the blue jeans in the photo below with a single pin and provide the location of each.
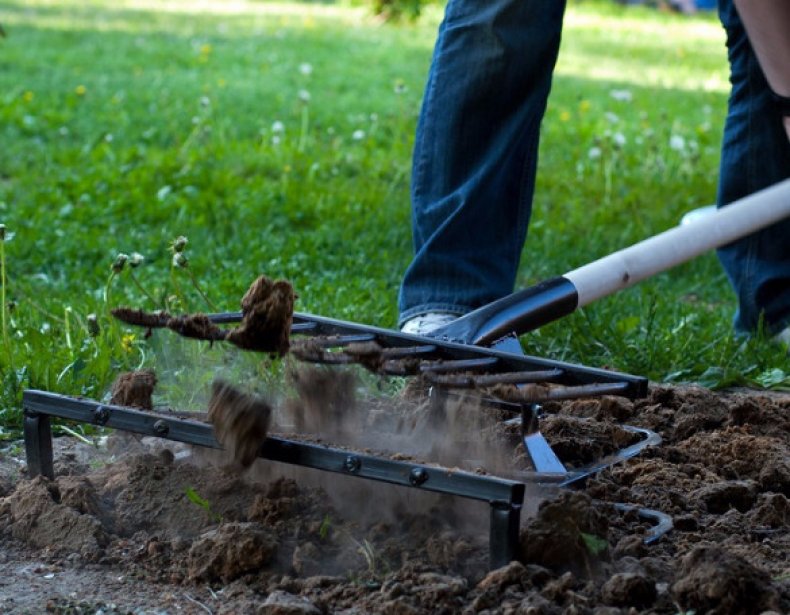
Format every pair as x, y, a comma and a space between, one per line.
755, 154
475, 152
475, 158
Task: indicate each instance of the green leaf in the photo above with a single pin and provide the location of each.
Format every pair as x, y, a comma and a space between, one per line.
595, 544
771, 378
196, 499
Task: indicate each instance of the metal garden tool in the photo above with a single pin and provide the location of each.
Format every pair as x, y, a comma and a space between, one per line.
499, 323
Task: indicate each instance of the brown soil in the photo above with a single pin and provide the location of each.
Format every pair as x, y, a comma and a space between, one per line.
166, 529
267, 312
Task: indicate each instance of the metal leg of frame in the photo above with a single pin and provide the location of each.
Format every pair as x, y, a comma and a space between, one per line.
503, 539
38, 445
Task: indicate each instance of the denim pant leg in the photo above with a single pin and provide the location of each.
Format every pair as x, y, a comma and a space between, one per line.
475, 152
755, 155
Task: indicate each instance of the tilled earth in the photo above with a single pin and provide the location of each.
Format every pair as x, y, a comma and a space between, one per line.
133, 526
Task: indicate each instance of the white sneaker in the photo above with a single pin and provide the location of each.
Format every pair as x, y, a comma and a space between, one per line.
425, 323
783, 337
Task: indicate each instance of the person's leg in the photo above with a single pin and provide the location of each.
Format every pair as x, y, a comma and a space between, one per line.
755, 155
475, 152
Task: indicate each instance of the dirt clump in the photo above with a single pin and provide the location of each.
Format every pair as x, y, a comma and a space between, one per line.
267, 314
229, 551
240, 420
569, 533
712, 580
37, 514
629, 589
579, 441
134, 389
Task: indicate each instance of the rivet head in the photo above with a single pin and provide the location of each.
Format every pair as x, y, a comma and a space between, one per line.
161, 428
418, 476
101, 415
352, 464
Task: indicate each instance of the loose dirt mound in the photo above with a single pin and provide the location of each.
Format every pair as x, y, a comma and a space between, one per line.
169, 531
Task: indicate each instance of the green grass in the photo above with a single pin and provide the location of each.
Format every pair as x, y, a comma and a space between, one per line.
125, 125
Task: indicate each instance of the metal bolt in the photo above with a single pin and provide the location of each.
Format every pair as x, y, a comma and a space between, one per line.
161, 428
101, 415
418, 476
352, 464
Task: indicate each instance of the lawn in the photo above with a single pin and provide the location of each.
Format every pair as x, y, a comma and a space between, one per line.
276, 137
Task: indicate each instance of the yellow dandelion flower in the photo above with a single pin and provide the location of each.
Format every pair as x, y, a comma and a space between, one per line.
565, 116
221, 83
127, 341
205, 49
80, 90
584, 105
28, 96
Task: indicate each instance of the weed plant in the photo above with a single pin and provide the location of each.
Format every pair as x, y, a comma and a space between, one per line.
277, 137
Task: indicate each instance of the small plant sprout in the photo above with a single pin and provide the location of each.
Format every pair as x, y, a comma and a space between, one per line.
304, 99
180, 261
195, 498
67, 315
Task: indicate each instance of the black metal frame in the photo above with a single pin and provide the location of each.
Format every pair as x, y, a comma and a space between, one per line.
505, 496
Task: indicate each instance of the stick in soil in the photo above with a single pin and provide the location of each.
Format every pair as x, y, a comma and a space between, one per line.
240, 420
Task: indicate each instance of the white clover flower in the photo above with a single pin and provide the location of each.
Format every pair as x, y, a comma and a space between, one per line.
619, 139
621, 95
205, 101
179, 244
136, 259
179, 260
358, 135
594, 153
677, 143
611, 117
276, 140
305, 68
304, 96
278, 127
